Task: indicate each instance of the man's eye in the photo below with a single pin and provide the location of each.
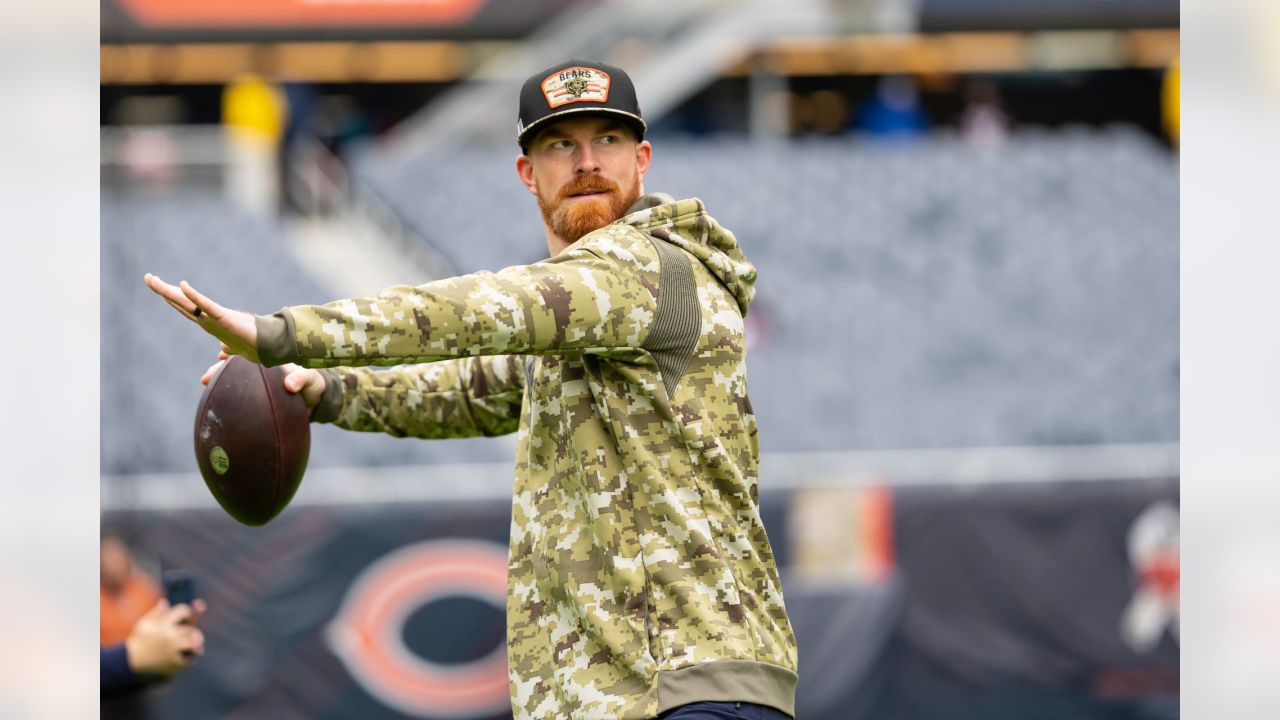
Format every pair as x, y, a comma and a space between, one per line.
561, 145
608, 139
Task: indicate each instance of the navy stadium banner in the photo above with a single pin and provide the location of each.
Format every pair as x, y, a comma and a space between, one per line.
1046, 601
1006, 601
333, 613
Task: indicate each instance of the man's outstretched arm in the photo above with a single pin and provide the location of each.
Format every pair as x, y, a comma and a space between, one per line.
466, 397
596, 296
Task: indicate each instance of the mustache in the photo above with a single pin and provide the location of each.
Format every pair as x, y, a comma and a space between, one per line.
588, 183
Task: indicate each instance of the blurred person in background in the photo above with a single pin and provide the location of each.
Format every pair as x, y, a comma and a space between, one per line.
164, 641
344, 125
641, 581
893, 110
301, 99
142, 640
983, 122
253, 116
125, 593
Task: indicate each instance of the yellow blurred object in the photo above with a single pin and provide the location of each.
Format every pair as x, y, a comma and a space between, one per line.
1171, 102
253, 105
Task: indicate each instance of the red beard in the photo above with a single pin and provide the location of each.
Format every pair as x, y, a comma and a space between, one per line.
571, 219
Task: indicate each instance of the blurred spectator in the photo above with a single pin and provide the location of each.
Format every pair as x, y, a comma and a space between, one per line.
300, 124
164, 641
125, 593
983, 122
150, 156
142, 640
893, 110
253, 115
823, 111
343, 124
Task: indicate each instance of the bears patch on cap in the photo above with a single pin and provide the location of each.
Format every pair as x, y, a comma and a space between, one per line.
576, 84
577, 87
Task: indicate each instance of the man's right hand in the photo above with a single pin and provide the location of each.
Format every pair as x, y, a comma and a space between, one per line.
309, 383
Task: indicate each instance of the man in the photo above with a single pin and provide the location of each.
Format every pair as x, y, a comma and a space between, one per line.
641, 582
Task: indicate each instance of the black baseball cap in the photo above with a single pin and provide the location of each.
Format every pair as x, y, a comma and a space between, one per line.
577, 87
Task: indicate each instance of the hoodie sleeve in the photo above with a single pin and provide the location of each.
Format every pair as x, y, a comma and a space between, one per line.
115, 675
465, 397
598, 295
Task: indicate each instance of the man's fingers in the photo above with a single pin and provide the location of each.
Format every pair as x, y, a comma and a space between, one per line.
213, 369
305, 382
178, 300
186, 312
178, 613
169, 292
209, 307
171, 295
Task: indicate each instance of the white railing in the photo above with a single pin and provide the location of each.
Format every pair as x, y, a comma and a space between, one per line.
180, 152
327, 188
779, 472
177, 155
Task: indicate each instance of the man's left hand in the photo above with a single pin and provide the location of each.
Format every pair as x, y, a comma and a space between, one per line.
237, 330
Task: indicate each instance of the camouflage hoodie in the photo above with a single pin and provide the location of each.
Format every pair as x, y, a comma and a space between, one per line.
640, 576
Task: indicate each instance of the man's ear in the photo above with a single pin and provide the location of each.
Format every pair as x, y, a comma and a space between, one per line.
644, 152
524, 168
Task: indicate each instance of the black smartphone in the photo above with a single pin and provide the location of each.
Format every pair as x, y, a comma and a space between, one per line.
179, 587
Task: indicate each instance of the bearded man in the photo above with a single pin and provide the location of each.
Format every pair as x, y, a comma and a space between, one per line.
641, 583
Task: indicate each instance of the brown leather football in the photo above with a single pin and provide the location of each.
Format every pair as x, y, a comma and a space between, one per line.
253, 438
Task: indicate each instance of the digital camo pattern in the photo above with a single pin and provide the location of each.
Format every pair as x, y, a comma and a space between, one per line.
636, 542
463, 397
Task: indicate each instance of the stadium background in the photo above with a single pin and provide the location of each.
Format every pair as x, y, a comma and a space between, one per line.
964, 354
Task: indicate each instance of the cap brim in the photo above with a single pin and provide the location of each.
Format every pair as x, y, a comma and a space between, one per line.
635, 122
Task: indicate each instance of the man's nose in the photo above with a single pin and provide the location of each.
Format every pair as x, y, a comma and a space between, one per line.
586, 159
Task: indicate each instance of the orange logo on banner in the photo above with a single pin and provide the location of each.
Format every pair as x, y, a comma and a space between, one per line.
368, 632
301, 13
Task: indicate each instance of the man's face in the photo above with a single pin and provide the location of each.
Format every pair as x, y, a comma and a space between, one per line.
585, 173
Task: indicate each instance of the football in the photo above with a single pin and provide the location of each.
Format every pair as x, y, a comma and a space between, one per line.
252, 440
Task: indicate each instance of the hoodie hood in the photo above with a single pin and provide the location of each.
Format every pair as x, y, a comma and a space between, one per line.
686, 224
